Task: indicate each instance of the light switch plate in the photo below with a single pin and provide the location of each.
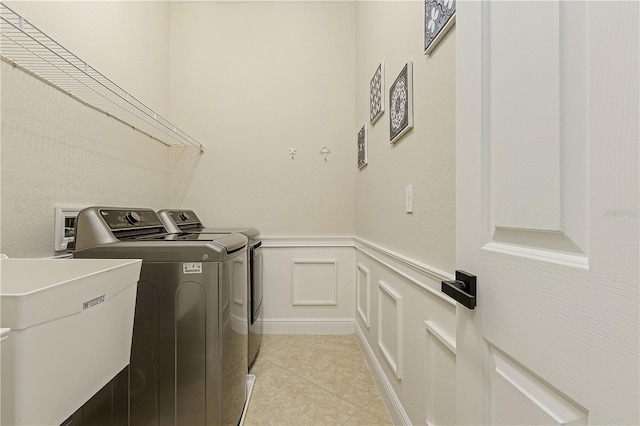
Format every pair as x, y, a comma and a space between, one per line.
409, 199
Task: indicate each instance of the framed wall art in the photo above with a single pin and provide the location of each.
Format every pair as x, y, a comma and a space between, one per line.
362, 146
439, 16
401, 103
376, 94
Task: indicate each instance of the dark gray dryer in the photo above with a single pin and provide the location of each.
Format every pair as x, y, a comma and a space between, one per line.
189, 355
188, 221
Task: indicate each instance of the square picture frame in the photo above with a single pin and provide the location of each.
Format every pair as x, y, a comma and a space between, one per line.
401, 103
376, 94
362, 146
439, 17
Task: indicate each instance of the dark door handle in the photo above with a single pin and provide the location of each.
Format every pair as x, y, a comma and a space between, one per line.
463, 289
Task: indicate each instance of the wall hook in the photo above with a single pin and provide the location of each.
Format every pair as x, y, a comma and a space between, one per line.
292, 152
325, 151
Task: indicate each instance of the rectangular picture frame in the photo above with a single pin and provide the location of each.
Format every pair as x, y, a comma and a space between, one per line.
376, 94
362, 146
401, 103
439, 17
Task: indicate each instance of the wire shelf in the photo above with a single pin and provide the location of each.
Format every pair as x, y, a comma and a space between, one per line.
25, 46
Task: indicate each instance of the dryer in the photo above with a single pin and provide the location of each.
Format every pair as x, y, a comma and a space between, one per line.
189, 355
187, 221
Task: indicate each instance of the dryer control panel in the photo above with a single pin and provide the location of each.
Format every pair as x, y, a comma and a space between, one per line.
180, 220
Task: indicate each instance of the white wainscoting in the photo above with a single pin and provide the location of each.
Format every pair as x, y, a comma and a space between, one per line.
406, 325
363, 293
390, 326
407, 361
309, 285
441, 366
314, 282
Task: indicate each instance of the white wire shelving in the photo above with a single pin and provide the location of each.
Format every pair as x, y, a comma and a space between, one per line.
24, 45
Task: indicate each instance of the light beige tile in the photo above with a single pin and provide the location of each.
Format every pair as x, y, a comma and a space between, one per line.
350, 379
287, 371
301, 404
343, 345
365, 418
376, 406
270, 380
302, 357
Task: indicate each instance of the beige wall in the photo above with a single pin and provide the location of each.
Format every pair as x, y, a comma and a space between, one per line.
56, 151
406, 324
251, 80
390, 31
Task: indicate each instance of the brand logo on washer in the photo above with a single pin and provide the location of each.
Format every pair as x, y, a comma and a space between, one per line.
192, 268
93, 302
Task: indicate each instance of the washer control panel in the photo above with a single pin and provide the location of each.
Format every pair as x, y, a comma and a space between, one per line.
127, 219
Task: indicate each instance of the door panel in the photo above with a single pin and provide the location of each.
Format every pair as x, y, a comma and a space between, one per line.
547, 211
519, 397
535, 149
531, 166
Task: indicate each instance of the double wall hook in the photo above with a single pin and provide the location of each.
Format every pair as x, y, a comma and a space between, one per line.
325, 151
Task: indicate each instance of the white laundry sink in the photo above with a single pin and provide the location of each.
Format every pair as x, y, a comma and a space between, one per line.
71, 324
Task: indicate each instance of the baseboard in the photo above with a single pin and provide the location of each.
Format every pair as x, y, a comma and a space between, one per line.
308, 326
391, 401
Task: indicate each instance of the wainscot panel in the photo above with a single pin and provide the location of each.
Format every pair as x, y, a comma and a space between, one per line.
309, 285
414, 367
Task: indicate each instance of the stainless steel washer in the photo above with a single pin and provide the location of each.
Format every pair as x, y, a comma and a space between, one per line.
189, 354
187, 221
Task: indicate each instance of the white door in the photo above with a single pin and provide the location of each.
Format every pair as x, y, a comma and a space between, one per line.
547, 211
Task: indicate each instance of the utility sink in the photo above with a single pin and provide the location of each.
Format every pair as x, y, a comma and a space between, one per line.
71, 324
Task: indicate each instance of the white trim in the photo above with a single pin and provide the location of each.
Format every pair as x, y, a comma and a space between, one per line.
434, 273
365, 316
395, 364
391, 400
295, 301
362, 245
441, 335
412, 279
285, 242
308, 325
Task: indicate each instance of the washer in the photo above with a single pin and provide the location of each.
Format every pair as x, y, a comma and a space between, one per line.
187, 221
188, 356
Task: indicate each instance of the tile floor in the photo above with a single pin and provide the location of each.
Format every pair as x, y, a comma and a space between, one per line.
313, 380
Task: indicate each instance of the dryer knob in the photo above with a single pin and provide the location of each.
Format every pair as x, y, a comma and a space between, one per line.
184, 216
133, 217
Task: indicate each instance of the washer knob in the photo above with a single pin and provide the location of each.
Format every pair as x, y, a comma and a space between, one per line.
132, 217
184, 216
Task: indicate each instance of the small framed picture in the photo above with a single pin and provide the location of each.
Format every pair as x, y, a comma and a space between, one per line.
376, 94
439, 16
401, 103
362, 146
